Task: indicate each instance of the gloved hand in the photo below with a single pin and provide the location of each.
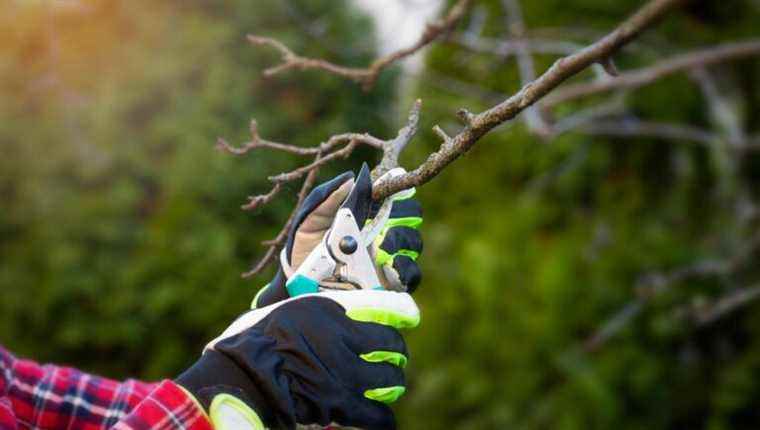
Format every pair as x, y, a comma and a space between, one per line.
327, 358
395, 249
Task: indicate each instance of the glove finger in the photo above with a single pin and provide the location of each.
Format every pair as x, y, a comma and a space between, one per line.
271, 293
382, 382
365, 414
367, 338
406, 208
361, 376
401, 208
401, 239
316, 214
403, 271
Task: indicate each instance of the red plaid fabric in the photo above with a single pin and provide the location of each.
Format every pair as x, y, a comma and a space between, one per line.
52, 397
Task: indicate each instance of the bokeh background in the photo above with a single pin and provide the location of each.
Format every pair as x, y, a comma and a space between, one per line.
122, 240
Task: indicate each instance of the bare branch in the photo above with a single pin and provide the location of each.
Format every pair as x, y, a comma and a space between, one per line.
637, 78
257, 142
276, 243
366, 76
613, 107
391, 150
652, 284
510, 47
262, 199
442, 134
598, 54
633, 127
560, 71
533, 117
613, 325
299, 172
723, 306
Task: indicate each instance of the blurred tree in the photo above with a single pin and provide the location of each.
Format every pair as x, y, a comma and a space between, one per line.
122, 239
122, 235
530, 256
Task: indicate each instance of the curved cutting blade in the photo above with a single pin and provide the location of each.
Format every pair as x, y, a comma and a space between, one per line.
373, 228
359, 199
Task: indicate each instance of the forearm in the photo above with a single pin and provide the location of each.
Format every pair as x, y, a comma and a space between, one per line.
52, 397
167, 407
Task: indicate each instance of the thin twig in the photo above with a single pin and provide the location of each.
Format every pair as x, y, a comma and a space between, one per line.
510, 47
637, 78
534, 120
653, 284
633, 127
257, 142
392, 148
276, 243
316, 164
262, 199
365, 76
390, 153
709, 313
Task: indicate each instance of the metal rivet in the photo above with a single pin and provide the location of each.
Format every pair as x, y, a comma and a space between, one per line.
348, 245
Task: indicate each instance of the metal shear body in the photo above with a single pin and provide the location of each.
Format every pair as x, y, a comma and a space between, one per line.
342, 259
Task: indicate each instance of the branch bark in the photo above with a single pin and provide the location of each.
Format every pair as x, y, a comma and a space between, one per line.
324, 154
559, 72
637, 78
516, 26
653, 284
366, 76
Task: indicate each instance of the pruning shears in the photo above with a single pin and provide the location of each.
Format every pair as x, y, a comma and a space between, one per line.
343, 259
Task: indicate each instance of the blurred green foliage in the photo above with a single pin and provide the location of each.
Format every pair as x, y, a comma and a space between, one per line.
122, 241
122, 235
531, 247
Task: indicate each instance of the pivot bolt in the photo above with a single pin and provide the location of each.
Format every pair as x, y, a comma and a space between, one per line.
348, 245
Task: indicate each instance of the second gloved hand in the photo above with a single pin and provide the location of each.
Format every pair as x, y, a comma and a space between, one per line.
326, 358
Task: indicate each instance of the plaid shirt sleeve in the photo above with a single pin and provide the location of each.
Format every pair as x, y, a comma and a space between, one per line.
51, 397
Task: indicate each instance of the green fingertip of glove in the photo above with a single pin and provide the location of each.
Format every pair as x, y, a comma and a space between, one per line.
383, 258
410, 221
394, 358
384, 317
256, 297
385, 394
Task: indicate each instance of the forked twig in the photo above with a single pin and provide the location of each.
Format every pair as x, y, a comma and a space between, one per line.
339, 146
366, 76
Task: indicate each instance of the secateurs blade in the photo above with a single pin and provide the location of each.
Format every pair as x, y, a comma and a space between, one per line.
342, 259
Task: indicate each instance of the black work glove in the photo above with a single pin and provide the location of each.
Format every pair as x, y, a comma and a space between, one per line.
326, 358
395, 249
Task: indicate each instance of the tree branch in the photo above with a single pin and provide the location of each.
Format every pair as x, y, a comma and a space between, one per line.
633, 127
279, 240
324, 154
257, 142
365, 76
533, 117
653, 284
708, 313
510, 47
637, 78
560, 71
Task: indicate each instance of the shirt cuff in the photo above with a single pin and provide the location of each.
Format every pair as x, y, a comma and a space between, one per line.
167, 407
